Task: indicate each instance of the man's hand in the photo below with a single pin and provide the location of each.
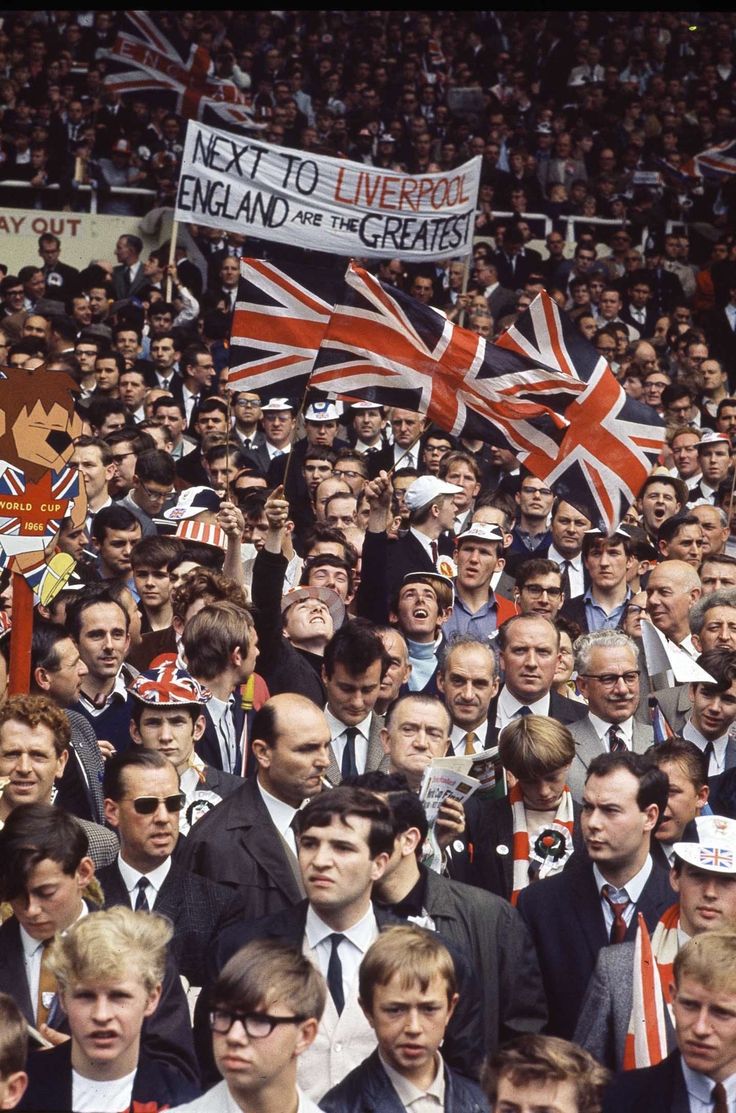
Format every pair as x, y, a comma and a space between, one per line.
450, 822
230, 519
52, 1035
276, 509
106, 748
378, 491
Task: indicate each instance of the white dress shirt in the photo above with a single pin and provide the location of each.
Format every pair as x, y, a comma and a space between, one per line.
351, 950
424, 541
338, 730
574, 570
717, 762
225, 727
457, 738
32, 953
431, 1100
509, 707
601, 727
132, 876
633, 889
281, 816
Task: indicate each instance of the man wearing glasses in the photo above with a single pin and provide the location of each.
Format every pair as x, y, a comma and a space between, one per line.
143, 799
247, 413
531, 531
266, 1007
607, 664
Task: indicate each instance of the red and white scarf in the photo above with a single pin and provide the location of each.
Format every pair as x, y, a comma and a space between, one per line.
552, 845
646, 1040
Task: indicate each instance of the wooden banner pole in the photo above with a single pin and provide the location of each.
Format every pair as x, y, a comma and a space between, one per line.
21, 636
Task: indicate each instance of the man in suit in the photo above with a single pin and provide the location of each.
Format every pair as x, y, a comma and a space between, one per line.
62, 281
534, 501
467, 680
44, 851
696, 1075
595, 900
35, 737
429, 501
608, 561
167, 716
705, 887
109, 970
56, 672
637, 310
145, 876
352, 669
247, 841
486, 927
529, 650
501, 300
128, 278
568, 527
257, 1056
713, 713
221, 647
278, 418
346, 837
607, 666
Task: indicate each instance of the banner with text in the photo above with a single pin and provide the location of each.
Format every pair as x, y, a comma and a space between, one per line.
324, 204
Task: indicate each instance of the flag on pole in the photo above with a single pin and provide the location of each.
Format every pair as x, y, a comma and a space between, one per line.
540, 389
278, 324
660, 725
156, 66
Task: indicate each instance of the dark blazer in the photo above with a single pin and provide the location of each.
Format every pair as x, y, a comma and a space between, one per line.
492, 827
208, 746
384, 565
463, 1046
565, 918
79, 789
368, 1089
120, 289
561, 708
646, 329
198, 909
50, 1082
237, 845
259, 457
659, 1089
62, 281
167, 1034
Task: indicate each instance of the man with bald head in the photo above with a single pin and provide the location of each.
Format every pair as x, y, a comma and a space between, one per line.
247, 841
672, 589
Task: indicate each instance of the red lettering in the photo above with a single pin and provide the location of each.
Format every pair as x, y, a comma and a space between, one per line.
388, 196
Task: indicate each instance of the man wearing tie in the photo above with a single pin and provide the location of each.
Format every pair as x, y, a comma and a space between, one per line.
353, 666
530, 649
468, 680
607, 664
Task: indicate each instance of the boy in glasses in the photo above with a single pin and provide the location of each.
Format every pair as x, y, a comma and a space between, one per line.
266, 1007
109, 969
143, 800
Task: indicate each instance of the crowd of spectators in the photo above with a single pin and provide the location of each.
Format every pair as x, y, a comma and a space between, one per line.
223, 886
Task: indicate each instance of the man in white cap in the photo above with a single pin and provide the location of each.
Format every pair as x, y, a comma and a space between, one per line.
716, 457
477, 610
321, 421
430, 502
704, 878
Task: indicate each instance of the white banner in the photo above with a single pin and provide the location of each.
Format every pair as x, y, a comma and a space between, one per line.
324, 204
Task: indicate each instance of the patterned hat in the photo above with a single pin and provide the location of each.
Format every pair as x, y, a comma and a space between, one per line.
713, 847
192, 502
168, 686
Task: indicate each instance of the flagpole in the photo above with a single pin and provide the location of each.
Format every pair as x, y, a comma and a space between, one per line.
172, 257
466, 277
403, 456
300, 411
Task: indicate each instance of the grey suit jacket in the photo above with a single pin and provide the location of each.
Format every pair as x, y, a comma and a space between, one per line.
606, 1009
588, 746
675, 705
376, 758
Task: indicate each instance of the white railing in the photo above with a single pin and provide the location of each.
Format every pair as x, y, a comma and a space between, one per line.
77, 188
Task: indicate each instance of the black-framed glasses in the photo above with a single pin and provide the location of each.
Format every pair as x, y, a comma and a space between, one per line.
611, 679
536, 491
249, 403
257, 1025
537, 591
147, 805
155, 496
634, 608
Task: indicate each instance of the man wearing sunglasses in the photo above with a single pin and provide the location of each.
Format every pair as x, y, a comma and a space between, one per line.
142, 803
266, 1007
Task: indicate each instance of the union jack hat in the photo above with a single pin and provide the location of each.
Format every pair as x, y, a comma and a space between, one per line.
713, 847
168, 686
5, 624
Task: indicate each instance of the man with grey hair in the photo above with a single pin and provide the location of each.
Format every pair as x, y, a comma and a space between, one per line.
607, 664
467, 680
714, 523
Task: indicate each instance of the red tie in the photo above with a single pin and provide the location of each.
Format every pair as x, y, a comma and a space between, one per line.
720, 1101
619, 928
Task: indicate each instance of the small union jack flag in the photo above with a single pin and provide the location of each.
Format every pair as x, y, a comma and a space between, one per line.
716, 859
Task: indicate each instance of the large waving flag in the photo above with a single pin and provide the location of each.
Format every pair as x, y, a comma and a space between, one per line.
541, 389
718, 161
156, 66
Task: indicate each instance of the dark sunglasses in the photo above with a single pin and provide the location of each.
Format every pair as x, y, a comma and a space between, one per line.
147, 805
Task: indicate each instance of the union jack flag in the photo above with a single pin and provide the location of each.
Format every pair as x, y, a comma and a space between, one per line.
715, 858
541, 388
156, 66
718, 161
660, 725
278, 325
